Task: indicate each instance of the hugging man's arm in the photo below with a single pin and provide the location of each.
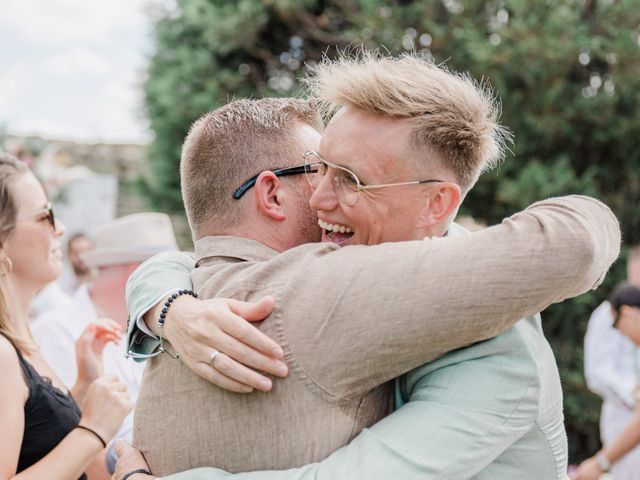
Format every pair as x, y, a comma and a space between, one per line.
402, 300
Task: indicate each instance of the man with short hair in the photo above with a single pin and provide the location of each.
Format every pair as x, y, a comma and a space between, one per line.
78, 274
392, 166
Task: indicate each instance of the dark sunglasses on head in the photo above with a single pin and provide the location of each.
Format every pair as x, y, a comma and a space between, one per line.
280, 172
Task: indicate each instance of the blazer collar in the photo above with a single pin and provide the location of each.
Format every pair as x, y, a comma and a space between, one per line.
242, 249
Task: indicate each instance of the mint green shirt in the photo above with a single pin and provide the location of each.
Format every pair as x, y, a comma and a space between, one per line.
476, 413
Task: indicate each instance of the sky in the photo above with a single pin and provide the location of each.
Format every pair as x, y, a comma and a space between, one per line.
73, 69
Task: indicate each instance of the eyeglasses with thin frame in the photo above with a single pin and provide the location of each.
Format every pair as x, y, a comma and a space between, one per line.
345, 183
48, 209
280, 172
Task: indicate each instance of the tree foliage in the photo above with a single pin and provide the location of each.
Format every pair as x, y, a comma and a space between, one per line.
567, 71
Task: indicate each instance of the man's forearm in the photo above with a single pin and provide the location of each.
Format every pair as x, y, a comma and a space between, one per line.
395, 306
402, 301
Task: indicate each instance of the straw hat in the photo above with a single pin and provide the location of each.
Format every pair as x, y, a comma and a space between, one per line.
130, 239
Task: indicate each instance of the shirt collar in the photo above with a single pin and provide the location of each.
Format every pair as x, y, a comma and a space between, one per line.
232, 247
456, 230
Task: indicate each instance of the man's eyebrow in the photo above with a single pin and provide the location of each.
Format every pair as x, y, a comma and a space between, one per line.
346, 167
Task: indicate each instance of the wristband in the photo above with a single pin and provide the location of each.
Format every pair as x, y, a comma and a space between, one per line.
82, 427
133, 472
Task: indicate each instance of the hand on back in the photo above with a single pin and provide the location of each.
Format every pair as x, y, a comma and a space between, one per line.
197, 329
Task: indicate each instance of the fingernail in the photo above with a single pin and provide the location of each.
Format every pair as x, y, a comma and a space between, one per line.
282, 370
277, 352
265, 384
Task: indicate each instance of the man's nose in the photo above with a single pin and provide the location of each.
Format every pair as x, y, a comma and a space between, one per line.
324, 196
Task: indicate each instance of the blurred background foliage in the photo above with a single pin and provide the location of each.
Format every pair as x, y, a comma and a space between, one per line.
567, 71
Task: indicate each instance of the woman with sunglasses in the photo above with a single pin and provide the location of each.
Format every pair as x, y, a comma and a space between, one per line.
43, 432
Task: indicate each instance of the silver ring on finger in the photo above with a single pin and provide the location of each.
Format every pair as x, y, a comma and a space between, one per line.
212, 357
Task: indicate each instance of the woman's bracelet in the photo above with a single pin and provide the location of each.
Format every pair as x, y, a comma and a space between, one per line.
133, 472
82, 427
169, 301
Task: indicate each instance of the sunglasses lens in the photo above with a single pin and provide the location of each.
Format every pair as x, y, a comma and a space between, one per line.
52, 218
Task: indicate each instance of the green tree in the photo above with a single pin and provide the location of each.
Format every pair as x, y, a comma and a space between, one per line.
567, 72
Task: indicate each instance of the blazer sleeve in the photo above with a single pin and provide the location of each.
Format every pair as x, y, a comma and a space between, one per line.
367, 314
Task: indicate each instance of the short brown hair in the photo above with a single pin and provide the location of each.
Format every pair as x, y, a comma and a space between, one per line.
451, 113
227, 146
10, 169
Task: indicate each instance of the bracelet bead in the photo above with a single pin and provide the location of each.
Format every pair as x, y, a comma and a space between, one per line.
169, 301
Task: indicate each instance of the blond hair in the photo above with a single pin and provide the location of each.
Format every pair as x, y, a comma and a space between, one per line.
227, 146
10, 168
451, 114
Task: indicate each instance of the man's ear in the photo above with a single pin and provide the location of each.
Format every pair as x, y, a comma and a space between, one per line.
269, 196
443, 201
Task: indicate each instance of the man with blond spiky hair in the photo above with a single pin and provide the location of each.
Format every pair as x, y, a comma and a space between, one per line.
383, 294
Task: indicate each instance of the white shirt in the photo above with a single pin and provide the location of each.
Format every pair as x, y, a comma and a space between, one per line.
610, 368
610, 364
56, 332
49, 298
68, 280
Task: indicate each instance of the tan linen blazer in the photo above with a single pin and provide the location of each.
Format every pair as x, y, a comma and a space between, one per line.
351, 319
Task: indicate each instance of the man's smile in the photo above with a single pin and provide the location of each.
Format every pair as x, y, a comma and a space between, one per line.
334, 232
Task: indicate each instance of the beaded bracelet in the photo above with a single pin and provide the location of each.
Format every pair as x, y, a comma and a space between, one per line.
169, 301
163, 317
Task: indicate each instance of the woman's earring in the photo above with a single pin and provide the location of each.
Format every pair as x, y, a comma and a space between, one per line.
6, 265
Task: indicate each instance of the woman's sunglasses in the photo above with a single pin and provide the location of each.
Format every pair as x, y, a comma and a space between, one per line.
48, 209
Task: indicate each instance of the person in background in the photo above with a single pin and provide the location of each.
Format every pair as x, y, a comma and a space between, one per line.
45, 433
120, 246
611, 371
49, 297
78, 273
625, 311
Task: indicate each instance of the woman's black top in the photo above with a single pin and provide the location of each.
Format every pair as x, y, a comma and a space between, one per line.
49, 416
